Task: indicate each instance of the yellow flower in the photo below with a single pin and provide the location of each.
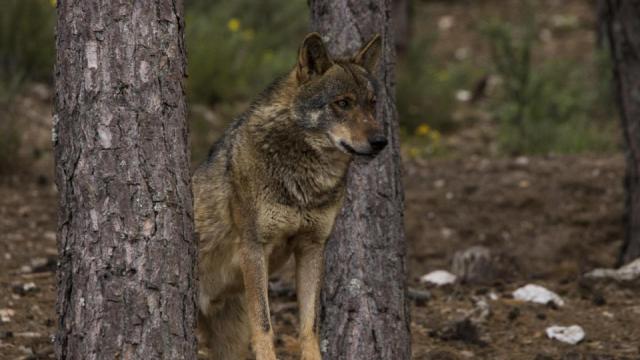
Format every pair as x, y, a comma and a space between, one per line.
422, 130
233, 24
414, 152
248, 35
53, 2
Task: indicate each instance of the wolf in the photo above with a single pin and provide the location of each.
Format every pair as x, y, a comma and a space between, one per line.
272, 187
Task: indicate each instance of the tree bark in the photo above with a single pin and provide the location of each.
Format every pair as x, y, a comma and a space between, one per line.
623, 29
127, 252
364, 309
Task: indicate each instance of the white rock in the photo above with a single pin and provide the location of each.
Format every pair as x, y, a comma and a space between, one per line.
463, 95
28, 334
522, 161
566, 334
537, 294
6, 314
438, 277
629, 272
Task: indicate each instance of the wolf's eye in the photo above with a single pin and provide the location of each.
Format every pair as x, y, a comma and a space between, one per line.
343, 103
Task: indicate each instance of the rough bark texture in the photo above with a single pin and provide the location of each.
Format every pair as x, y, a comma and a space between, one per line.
364, 309
127, 253
623, 27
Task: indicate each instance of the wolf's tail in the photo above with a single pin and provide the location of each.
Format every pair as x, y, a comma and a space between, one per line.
226, 330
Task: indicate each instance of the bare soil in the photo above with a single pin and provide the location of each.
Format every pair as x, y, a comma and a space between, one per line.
546, 219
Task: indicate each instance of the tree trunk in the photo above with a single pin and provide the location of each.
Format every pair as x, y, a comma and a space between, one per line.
623, 28
364, 309
127, 252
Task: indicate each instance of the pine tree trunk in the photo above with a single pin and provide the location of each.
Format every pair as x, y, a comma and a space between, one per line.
364, 309
623, 28
127, 253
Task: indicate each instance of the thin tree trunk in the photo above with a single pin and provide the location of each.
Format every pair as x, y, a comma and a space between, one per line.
364, 309
623, 28
127, 253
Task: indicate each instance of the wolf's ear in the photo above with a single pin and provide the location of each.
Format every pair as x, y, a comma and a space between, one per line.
369, 55
313, 58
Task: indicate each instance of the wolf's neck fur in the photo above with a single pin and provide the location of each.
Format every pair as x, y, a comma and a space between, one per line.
299, 161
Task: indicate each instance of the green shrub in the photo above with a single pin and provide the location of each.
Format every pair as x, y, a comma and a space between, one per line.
427, 86
236, 48
26, 40
547, 107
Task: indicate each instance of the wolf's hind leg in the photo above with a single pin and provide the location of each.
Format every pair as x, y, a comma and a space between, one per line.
226, 331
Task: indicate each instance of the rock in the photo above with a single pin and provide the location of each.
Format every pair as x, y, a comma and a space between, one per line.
438, 277
473, 265
6, 314
521, 161
41, 264
628, 272
23, 289
28, 334
537, 294
419, 296
566, 334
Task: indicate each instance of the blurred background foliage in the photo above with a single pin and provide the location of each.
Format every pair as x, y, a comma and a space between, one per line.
456, 74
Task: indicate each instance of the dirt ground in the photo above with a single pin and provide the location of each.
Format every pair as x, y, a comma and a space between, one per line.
546, 219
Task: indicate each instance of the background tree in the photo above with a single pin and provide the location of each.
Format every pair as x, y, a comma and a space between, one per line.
622, 22
126, 284
364, 308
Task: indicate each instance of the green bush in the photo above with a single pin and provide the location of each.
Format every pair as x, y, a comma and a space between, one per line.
236, 48
548, 107
26, 40
427, 86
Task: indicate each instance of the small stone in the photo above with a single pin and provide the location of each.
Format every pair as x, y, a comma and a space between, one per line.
420, 297
438, 277
6, 314
28, 334
628, 272
467, 354
473, 265
521, 161
537, 294
23, 289
566, 334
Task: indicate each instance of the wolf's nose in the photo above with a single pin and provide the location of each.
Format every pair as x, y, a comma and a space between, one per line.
378, 142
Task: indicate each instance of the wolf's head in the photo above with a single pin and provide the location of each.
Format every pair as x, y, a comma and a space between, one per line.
336, 98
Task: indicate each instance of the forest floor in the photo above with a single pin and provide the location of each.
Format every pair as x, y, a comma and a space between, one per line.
547, 220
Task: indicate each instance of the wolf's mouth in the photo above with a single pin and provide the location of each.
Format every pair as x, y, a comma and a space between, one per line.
353, 151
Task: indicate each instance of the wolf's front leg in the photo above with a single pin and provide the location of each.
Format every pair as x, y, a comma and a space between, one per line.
254, 270
309, 266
